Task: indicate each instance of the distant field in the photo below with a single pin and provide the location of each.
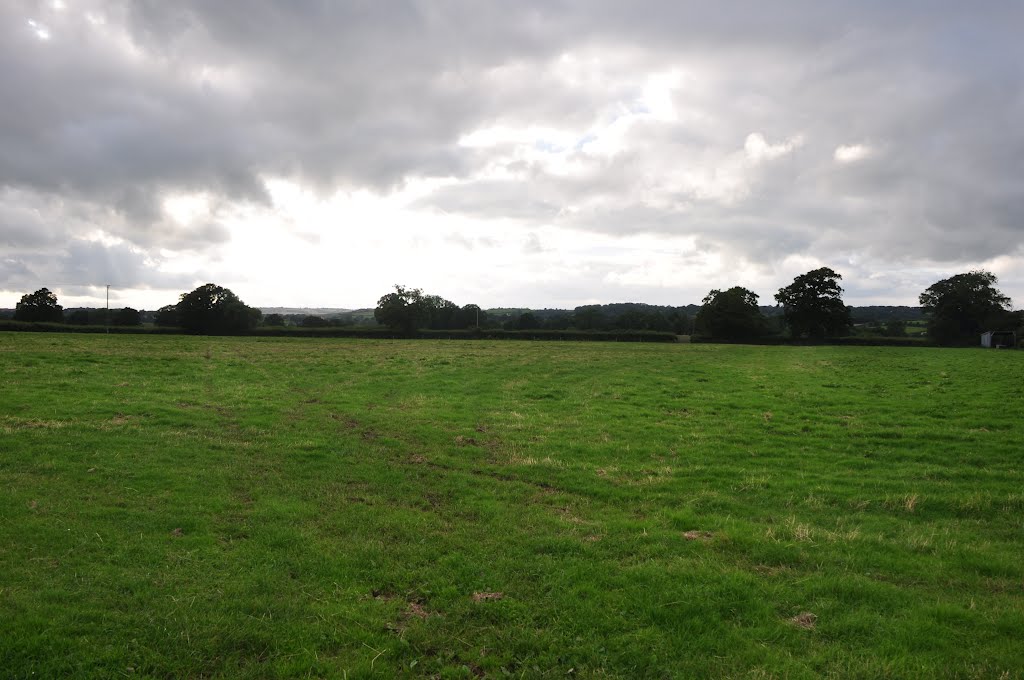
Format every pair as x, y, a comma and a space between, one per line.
278, 507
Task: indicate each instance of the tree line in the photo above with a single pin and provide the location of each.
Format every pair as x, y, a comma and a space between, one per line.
957, 310
41, 307
408, 309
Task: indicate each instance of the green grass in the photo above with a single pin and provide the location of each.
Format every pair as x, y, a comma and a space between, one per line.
183, 506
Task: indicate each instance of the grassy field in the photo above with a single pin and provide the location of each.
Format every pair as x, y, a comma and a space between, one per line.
183, 507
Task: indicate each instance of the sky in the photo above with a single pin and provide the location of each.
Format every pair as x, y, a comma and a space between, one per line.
537, 153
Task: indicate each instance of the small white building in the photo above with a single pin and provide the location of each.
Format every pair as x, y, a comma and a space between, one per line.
999, 339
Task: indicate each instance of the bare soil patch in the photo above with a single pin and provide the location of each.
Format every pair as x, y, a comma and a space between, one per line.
805, 620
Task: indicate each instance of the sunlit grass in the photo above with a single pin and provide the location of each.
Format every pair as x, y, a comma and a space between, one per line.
181, 506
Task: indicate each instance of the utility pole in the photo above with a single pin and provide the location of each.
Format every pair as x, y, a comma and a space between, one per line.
106, 317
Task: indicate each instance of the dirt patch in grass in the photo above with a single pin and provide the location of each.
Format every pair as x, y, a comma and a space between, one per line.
466, 441
487, 597
349, 422
697, 535
805, 620
567, 515
415, 610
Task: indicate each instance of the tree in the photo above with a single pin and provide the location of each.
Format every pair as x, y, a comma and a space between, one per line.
78, 317
166, 316
471, 316
126, 317
588, 317
273, 320
213, 310
656, 321
404, 310
558, 322
441, 314
342, 320
731, 315
895, 329
39, 306
630, 319
812, 305
527, 321
961, 307
313, 321
679, 322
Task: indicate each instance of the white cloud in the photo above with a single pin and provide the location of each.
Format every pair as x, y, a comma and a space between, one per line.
757, 149
852, 153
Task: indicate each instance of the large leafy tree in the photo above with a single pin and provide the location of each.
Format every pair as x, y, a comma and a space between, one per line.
408, 309
961, 307
812, 305
404, 310
39, 306
213, 310
441, 313
471, 316
731, 315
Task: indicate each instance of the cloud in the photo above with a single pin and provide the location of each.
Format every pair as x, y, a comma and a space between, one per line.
532, 246
83, 268
851, 153
756, 133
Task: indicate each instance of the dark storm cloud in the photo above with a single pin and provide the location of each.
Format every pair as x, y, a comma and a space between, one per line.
24, 225
15, 275
119, 265
127, 103
87, 266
